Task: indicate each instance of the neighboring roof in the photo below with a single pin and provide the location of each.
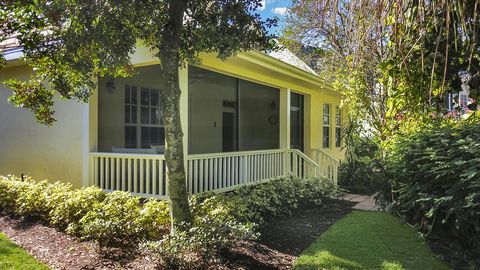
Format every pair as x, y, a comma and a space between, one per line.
285, 55
11, 48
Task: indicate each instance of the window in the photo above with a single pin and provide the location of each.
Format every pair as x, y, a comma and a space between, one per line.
326, 125
463, 100
338, 126
143, 119
130, 117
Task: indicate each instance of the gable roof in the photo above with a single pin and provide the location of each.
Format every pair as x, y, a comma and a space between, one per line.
285, 55
13, 51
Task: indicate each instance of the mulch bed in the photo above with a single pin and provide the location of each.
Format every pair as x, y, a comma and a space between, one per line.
452, 252
61, 251
284, 238
281, 242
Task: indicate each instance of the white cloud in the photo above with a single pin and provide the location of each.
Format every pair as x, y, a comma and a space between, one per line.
280, 11
264, 5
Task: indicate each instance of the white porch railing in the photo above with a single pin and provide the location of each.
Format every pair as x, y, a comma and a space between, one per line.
139, 174
145, 175
327, 164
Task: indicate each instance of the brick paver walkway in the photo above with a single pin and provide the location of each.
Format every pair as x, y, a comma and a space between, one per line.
363, 202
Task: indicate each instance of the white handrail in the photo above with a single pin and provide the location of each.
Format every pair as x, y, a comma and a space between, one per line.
238, 153
126, 155
327, 154
328, 164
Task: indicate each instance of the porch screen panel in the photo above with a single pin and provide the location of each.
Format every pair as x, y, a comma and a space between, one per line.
129, 113
212, 111
151, 126
259, 114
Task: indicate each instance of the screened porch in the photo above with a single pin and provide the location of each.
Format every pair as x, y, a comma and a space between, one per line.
232, 135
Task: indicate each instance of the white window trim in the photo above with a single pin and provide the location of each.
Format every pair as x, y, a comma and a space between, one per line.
329, 125
338, 124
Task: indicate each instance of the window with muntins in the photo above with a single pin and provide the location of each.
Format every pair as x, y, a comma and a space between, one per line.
326, 125
338, 126
143, 118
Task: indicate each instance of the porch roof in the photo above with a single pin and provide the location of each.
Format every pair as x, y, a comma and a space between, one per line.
283, 61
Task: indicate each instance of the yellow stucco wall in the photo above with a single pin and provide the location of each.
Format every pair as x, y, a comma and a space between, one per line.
27, 147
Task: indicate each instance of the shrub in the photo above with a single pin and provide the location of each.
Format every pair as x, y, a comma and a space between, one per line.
113, 222
10, 186
255, 203
154, 218
212, 229
37, 199
437, 179
110, 219
76, 204
363, 171
220, 220
118, 219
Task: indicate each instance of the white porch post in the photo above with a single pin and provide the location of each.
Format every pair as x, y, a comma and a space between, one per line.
285, 127
284, 118
183, 82
89, 136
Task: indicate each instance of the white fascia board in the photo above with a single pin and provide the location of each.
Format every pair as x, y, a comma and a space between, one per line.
13, 54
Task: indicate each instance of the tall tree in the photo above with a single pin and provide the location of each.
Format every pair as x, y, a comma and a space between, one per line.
69, 43
394, 60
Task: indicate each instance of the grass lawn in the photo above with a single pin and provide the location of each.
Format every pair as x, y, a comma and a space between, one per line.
14, 257
369, 240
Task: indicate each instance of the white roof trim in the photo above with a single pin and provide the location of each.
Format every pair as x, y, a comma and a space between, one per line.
13, 54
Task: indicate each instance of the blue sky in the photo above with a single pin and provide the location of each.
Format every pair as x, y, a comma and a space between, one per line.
275, 8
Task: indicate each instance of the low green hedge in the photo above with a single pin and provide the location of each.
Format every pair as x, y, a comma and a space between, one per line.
111, 219
437, 179
121, 220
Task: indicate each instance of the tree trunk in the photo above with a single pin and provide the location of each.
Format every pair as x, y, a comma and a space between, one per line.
170, 102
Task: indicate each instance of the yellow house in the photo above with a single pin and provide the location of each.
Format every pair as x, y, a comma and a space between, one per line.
249, 118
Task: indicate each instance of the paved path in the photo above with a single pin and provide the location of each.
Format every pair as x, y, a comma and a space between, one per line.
363, 202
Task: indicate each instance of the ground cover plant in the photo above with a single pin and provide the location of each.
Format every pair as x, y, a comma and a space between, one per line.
13, 257
369, 240
120, 220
